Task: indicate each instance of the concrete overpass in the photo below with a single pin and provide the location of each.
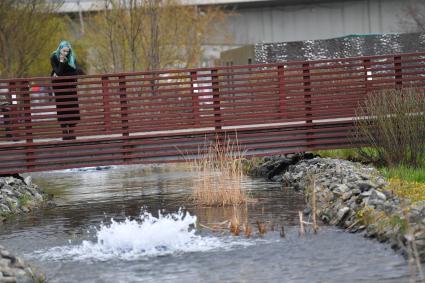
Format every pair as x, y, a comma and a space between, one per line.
267, 21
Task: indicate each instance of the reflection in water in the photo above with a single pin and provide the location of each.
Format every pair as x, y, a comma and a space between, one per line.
77, 242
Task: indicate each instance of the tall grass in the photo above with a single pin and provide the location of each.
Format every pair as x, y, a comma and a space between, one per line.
219, 175
405, 173
346, 153
393, 123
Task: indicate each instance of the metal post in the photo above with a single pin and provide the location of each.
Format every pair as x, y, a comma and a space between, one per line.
216, 98
106, 104
281, 80
398, 72
307, 101
367, 75
195, 99
28, 123
124, 108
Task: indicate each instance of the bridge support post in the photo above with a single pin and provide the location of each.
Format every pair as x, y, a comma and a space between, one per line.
307, 103
367, 75
216, 105
106, 104
281, 80
25, 88
124, 108
398, 72
10, 123
195, 99
124, 116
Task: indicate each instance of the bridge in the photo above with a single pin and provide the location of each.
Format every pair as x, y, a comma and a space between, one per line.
173, 115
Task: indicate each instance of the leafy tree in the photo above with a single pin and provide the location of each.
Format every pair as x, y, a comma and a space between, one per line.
29, 32
130, 35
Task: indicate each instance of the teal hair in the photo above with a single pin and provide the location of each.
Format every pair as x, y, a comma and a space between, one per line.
71, 55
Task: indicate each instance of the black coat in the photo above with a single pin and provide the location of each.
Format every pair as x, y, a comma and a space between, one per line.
65, 95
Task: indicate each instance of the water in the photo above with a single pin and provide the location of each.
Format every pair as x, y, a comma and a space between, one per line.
136, 224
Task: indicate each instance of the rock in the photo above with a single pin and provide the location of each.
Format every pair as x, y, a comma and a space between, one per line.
366, 194
28, 180
342, 214
380, 183
347, 195
365, 185
378, 195
364, 176
4, 209
340, 189
344, 189
278, 167
14, 189
307, 210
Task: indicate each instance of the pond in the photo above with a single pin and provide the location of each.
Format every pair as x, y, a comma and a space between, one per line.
138, 224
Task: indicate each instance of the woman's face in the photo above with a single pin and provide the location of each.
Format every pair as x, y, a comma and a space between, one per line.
65, 51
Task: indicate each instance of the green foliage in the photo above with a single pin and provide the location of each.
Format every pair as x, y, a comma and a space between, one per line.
249, 164
24, 200
405, 173
346, 153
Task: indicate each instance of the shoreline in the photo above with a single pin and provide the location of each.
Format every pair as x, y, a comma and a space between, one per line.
18, 195
351, 196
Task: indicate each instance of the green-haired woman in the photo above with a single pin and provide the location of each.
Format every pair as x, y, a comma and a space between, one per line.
64, 63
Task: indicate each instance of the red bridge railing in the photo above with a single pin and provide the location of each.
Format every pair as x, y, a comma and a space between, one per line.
170, 115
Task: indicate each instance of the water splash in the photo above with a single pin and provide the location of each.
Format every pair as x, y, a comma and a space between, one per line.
144, 237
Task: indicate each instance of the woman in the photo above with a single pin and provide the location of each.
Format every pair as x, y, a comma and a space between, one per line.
64, 64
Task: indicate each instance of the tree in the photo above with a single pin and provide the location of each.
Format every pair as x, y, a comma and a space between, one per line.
132, 35
29, 32
414, 16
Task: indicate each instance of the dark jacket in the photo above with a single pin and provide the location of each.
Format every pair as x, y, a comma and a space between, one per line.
65, 95
63, 69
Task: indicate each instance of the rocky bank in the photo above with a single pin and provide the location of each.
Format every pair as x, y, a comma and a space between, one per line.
352, 196
18, 195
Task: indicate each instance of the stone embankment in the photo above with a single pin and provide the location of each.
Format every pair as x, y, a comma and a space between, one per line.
18, 195
352, 196
14, 270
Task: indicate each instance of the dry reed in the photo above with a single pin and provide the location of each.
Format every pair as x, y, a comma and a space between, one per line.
302, 230
219, 175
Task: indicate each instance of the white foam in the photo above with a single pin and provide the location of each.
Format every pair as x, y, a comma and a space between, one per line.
145, 237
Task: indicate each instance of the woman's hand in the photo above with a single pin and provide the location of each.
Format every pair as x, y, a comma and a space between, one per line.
62, 58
